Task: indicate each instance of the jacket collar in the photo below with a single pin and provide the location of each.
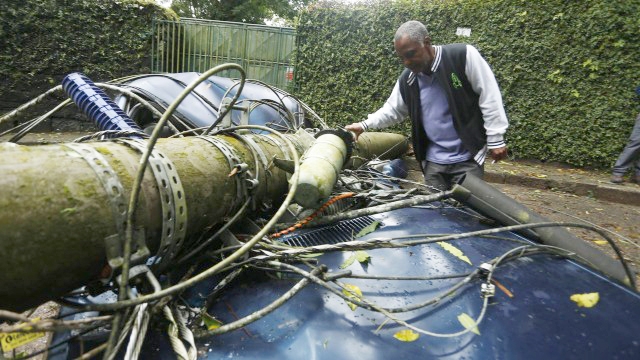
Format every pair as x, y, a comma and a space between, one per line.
434, 66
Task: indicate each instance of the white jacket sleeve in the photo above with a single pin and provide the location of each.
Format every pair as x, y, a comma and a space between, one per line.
392, 112
484, 84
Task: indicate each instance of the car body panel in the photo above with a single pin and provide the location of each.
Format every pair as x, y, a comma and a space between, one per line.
537, 320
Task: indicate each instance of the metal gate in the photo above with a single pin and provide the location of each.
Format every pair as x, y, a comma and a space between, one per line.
264, 52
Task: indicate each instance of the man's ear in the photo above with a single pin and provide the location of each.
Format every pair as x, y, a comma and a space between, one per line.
427, 41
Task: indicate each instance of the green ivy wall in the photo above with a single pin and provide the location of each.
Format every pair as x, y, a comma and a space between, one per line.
43, 40
567, 69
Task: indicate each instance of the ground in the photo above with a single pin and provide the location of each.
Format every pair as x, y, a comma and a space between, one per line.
622, 221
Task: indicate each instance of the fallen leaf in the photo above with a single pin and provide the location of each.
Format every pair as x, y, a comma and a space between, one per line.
406, 335
468, 323
455, 251
600, 242
362, 257
211, 322
351, 295
586, 300
348, 262
368, 229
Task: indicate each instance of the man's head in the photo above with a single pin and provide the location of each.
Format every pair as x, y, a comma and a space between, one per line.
413, 46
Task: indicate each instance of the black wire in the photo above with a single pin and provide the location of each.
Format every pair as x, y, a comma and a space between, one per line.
180, 82
162, 106
24, 124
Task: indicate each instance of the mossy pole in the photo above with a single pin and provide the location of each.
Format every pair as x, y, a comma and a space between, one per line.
56, 212
379, 145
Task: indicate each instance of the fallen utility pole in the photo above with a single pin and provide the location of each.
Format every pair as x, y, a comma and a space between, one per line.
492, 203
63, 207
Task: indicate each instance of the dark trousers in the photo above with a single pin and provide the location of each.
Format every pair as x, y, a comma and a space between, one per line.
631, 152
443, 176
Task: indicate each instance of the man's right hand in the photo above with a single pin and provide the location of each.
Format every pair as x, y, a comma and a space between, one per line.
498, 153
356, 129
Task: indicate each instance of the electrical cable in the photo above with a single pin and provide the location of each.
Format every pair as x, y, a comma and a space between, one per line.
621, 237
289, 113
224, 227
36, 100
141, 100
135, 192
228, 108
19, 127
391, 243
257, 315
39, 120
309, 218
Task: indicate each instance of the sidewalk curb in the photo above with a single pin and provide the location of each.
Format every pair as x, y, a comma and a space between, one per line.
622, 194
628, 194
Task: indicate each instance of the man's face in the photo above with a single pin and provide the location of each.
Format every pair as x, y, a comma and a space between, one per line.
415, 56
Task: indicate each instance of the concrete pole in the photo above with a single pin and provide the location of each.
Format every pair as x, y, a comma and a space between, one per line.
60, 204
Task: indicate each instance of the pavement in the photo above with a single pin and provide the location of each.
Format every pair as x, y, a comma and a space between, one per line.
581, 182
556, 177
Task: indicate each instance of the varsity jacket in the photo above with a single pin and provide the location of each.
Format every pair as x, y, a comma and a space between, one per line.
472, 94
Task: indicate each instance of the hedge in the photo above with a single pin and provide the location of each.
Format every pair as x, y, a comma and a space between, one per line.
43, 40
567, 69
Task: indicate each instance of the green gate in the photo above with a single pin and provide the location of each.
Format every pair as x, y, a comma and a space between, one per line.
197, 45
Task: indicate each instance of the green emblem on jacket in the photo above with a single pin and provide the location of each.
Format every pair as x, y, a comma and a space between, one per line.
455, 81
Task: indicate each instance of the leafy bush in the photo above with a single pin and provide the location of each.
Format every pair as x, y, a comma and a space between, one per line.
43, 40
567, 69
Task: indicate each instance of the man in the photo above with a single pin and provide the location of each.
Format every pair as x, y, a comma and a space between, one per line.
629, 155
455, 106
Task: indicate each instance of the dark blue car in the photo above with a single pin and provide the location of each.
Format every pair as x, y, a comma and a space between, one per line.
464, 274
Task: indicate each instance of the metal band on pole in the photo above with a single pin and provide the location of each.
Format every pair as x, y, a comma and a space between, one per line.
174, 204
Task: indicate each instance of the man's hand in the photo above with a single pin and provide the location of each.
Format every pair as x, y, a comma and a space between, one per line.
356, 129
498, 154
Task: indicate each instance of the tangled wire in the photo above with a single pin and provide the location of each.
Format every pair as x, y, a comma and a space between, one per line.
144, 302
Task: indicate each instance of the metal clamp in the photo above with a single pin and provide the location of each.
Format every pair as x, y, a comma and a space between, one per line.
172, 199
251, 184
487, 290
113, 248
115, 191
256, 148
233, 158
256, 151
485, 269
136, 272
276, 141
